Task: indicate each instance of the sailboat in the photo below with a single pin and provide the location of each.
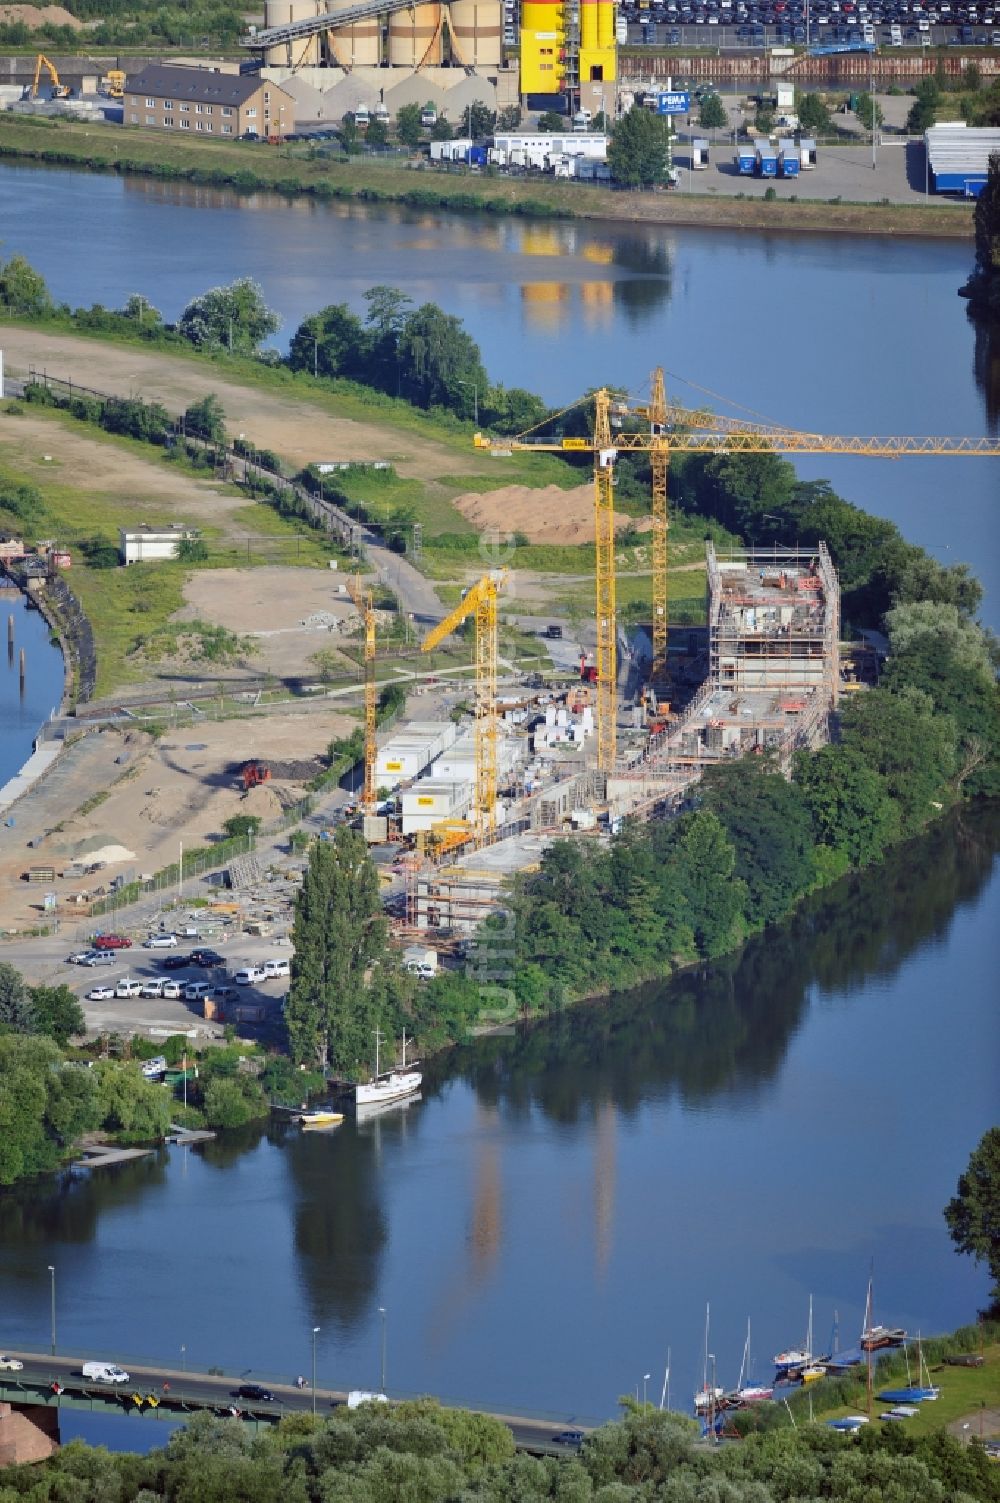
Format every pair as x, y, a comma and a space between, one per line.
920, 1392
747, 1393
706, 1399
874, 1337
795, 1358
387, 1085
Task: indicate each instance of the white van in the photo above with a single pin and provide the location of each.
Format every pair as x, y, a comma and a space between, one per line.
359, 1396
128, 988
249, 975
104, 1372
197, 991
273, 968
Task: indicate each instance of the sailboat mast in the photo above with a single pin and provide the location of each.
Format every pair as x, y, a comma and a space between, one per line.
378, 1039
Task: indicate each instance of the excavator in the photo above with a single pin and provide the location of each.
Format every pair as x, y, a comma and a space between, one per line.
59, 90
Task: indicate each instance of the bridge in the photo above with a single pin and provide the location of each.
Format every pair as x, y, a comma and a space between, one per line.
160, 1393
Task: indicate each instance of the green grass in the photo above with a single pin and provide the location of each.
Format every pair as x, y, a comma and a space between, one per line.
964, 1390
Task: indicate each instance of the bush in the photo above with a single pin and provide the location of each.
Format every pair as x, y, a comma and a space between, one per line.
241, 824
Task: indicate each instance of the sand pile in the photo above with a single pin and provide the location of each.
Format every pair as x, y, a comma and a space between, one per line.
34, 16
548, 515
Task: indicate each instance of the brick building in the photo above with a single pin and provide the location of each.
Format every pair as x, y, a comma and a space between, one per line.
170, 97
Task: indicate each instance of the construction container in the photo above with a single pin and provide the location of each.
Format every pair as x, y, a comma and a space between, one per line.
788, 158
431, 801
807, 153
699, 154
375, 828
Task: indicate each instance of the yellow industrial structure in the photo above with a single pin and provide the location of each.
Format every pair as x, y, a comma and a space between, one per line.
480, 601
362, 597
672, 428
566, 44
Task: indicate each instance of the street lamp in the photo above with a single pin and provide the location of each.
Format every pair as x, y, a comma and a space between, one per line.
52, 1286
184, 1365
381, 1311
645, 1380
315, 1334
475, 399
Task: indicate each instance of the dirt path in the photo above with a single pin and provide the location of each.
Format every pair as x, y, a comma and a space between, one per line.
298, 430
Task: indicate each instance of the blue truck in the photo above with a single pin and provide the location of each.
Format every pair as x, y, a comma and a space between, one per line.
746, 160
788, 158
766, 159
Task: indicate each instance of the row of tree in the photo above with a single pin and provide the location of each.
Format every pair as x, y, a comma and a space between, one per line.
418, 1452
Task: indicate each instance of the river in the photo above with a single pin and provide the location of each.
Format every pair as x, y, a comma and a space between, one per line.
561, 1204
22, 714
830, 333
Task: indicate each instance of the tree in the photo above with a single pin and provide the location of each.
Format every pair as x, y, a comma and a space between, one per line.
350, 134
438, 363
848, 802
332, 342
16, 1013
142, 312
233, 318
338, 934
408, 128
550, 120
712, 115
715, 898
377, 133
763, 120
639, 150
130, 1104
768, 824
56, 1013
22, 289
480, 120
206, 419
233, 1102
973, 1214
241, 824
441, 129
44, 1106
509, 118
812, 112
387, 308
924, 110
983, 288
902, 737
869, 111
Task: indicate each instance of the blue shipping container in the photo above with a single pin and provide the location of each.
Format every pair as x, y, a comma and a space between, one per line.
746, 161
767, 159
788, 156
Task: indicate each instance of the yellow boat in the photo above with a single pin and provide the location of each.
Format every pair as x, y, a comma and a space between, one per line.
322, 1117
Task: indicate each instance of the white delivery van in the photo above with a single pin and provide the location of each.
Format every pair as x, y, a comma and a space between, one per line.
197, 991
104, 1372
273, 968
249, 974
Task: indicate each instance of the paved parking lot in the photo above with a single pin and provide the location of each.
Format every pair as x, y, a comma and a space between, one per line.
842, 172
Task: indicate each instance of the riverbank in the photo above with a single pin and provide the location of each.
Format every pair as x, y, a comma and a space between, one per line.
296, 171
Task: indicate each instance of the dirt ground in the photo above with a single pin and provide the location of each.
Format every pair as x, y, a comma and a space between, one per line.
159, 494
289, 425
182, 788
39, 15
303, 608
546, 515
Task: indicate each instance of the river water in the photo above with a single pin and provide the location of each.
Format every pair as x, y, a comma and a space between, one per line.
22, 714
830, 333
561, 1204
556, 1211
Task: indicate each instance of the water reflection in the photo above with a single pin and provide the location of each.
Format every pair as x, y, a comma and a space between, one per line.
986, 365
67, 1208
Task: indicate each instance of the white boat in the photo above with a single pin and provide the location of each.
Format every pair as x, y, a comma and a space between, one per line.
795, 1358
748, 1393
387, 1085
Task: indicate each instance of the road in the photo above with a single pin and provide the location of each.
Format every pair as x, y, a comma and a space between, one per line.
183, 1389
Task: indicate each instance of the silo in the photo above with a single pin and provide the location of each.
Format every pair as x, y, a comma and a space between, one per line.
282, 13
415, 37
355, 46
476, 30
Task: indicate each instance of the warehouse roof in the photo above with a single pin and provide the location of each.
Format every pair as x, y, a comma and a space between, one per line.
957, 148
203, 84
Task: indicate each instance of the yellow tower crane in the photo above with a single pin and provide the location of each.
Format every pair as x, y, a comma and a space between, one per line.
480, 601
362, 597
682, 430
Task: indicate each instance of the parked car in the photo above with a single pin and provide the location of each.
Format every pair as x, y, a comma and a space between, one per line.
196, 991
152, 988
206, 958
99, 957
172, 989
225, 993
112, 942
174, 962
161, 942
249, 974
101, 993
569, 1438
128, 988
274, 968
254, 1391
80, 958
11, 1365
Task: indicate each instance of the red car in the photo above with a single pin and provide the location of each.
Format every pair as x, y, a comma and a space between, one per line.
112, 942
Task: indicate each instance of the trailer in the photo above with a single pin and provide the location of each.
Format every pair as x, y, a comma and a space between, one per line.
699, 154
765, 158
746, 160
788, 158
807, 153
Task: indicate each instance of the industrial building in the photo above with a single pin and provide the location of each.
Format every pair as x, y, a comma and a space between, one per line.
566, 45
958, 157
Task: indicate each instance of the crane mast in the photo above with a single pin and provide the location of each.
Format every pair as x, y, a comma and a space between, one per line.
480, 602
659, 456
607, 624
365, 603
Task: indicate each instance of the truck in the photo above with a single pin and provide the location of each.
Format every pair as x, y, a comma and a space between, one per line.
766, 159
699, 154
788, 158
746, 160
104, 1372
